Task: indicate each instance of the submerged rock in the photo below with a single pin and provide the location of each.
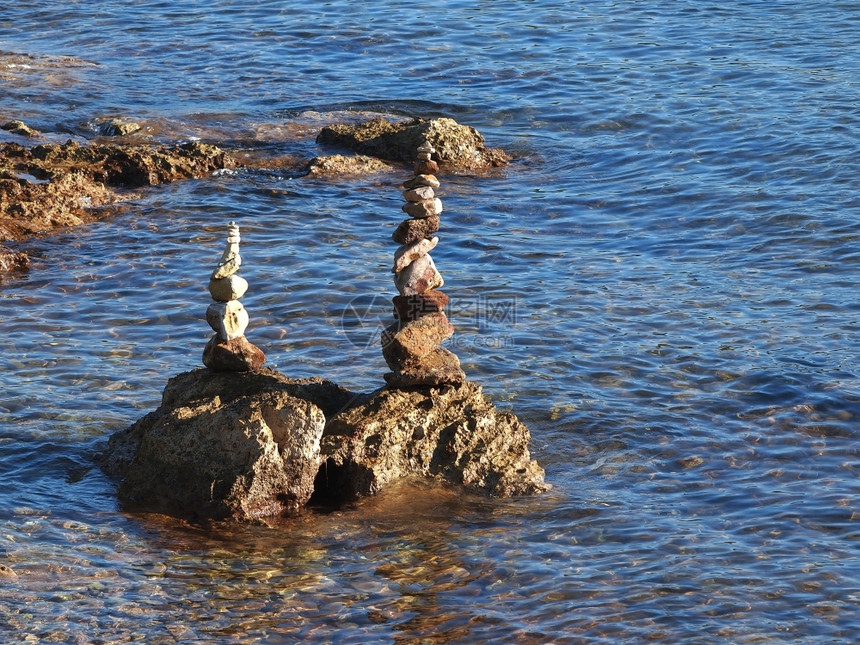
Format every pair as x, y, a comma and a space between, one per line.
246, 445
458, 146
117, 127
20, 128
13, 261
6, 574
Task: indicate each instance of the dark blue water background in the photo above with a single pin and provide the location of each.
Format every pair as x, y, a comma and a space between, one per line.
662, 286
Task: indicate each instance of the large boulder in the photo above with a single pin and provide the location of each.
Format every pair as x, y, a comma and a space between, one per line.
225, 444
247, 445
451, 433
457, 146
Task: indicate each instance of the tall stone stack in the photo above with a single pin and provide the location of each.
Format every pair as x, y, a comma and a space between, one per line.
412, 345
229, 350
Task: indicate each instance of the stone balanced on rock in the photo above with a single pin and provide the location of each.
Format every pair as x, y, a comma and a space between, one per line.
412, 346
229, 350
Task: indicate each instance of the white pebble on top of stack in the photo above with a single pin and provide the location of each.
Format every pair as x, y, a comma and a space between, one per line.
228, 349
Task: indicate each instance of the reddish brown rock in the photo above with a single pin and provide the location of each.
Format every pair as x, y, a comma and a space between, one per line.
405, 342
412, 230
439, 367
418, 277
426, 167
421, 304
236, 355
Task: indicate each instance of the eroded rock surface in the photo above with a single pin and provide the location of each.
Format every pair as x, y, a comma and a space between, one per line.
339, 165
247, 445
451, 432
52, 185
226, 445
457, 146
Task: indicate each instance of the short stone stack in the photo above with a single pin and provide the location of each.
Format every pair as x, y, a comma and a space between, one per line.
412, 346
228, 350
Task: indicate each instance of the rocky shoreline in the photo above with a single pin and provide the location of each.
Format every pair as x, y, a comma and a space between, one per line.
46, 186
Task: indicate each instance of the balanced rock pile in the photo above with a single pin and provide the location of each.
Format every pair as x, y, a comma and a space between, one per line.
411, 346
229, 350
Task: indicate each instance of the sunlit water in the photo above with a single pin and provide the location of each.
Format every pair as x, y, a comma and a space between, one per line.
662, 286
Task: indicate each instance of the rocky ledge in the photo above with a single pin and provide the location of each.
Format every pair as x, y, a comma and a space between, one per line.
249, 445
49, 186
455, 145
52, 185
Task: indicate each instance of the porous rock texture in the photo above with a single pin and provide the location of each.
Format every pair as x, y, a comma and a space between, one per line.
449, 432
49, 186
241, 445
249, 445
458, 146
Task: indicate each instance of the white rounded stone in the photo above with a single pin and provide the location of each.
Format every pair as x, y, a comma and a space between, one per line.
226, 289
408, 253
228, 319
419, 194
418, 277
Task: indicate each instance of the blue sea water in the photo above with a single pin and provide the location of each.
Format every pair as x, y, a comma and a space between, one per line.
662, 285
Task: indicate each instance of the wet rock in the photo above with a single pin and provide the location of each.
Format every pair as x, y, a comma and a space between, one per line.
13, 261
6, 574
335, 165
20, 128
256, 444
457, 146
117, 127
60, 185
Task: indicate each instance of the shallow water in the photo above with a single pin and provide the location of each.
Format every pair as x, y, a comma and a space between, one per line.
662, 286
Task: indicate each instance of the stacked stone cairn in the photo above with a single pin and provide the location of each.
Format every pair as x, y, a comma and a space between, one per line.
229, 350
411, 346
